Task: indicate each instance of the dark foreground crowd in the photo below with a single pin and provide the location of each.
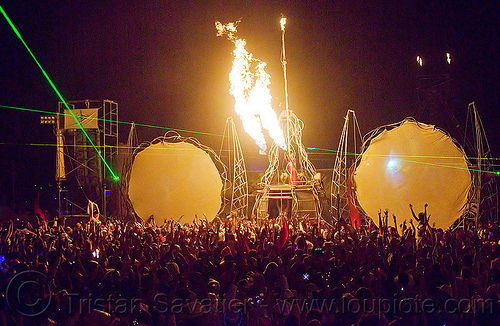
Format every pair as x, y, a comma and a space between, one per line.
235, 272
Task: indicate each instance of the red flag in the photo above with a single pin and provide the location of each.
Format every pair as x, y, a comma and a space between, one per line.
247, 245
37, 209
355, 216
283, 235
242, 238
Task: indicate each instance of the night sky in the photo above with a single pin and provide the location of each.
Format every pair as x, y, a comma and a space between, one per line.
163, 64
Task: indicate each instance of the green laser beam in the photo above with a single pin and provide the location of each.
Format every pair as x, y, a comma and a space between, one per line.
121, 122
406, 160
115, 177
328, 151
332, 151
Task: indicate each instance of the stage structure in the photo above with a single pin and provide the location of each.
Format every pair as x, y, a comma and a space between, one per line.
175, 178
236, 194
342, 188
289, 185
79, 169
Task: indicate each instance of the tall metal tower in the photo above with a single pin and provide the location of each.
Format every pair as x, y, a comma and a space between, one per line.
436, 92
347, 153
125, 209
485, 203
231, 153
79, 169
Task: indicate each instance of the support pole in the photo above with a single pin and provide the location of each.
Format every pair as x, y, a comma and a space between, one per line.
283, 63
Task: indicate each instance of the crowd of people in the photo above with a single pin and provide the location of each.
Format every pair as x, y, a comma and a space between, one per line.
235, 271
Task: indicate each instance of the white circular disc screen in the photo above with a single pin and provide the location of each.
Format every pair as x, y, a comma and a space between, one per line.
170, 180
413, 163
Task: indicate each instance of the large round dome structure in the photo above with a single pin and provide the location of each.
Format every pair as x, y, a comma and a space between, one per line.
413, 163
173, 179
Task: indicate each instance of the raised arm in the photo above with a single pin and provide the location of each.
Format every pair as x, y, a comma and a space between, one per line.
425, 214
413, 213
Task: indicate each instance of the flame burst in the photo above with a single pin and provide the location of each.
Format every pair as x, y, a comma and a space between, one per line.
250, 89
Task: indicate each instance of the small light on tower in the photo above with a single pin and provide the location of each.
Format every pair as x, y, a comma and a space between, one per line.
420, 61
48, 119
448, 58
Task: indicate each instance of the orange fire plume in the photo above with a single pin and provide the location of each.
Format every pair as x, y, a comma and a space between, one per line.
250, 89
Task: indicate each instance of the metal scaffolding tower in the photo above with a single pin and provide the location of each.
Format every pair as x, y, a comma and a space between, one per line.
231, 154
125, 209
79, 169
484, 204
347, 153
436, 92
